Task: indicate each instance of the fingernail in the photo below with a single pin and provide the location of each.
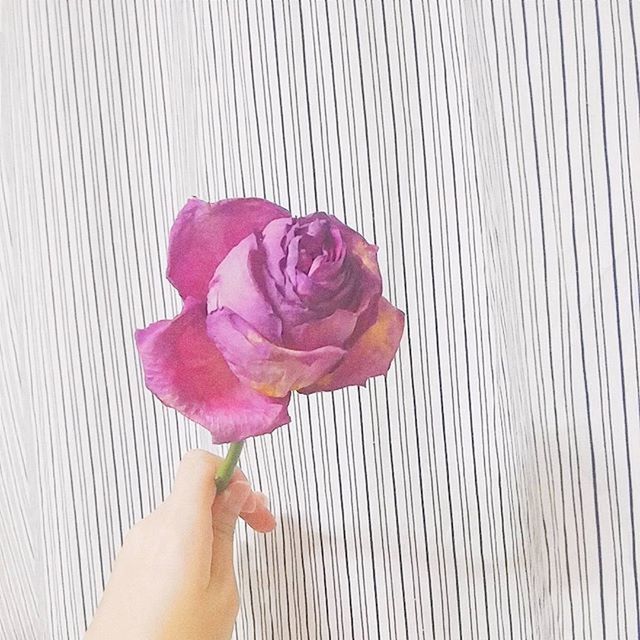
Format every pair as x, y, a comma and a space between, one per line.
235, 496
250, 504
262, 498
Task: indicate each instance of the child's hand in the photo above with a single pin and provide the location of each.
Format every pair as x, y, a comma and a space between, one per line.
173, 578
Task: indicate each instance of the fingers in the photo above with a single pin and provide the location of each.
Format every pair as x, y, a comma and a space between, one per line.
194, 491
225, 512
255, 512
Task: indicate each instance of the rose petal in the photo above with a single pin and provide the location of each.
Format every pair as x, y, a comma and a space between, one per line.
185, 370
358, 246
370, 279
238, 285
370, 356
356, 288
335, 329
204, 233
268, 368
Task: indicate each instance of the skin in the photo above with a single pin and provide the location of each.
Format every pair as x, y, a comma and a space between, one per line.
173, 578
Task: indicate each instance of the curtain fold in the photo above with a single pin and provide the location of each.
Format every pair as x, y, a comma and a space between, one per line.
492, 152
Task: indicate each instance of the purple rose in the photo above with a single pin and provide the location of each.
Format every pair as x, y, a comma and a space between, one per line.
272, 304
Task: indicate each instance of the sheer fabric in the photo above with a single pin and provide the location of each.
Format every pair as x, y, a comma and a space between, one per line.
488, 487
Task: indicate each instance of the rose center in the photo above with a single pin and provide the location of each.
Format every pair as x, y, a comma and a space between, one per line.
319, 246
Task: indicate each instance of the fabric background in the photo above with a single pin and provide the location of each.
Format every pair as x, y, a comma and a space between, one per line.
488, 487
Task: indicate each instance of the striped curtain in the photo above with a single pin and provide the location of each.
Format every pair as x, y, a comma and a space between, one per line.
489, 486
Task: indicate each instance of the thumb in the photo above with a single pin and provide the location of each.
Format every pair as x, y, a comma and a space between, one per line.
225, 512
194, 489
193, 493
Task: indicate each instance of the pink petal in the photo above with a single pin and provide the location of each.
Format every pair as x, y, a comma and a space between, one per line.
371, 280
238, 284
370, 356
268, 368
204, 233
335, 329
358, 246
185, 370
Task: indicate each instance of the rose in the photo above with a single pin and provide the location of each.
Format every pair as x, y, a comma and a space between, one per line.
272, 304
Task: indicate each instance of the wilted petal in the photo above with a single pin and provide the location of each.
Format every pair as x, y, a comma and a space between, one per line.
239, 285
370, 280
370, 356
355, 244
268, 368
185, 370
316, 266
335, 329
204, 233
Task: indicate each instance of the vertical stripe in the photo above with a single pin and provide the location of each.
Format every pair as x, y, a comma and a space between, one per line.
486, 488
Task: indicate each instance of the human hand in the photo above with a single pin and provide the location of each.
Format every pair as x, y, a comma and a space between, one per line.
173, 579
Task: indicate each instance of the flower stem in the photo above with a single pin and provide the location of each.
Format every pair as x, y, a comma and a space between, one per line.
228, 466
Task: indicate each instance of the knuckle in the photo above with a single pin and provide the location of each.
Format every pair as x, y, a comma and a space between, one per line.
223, 529
197, 456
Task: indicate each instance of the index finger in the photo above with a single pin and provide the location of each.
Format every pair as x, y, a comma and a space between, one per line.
258, 517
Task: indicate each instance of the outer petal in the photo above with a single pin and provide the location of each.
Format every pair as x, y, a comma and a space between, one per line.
204, 233
268, 368
185, 370
370, 356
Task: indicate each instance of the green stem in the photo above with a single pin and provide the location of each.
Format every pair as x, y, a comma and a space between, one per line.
228, 466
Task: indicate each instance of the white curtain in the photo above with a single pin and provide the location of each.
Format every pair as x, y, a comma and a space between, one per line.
489, 486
